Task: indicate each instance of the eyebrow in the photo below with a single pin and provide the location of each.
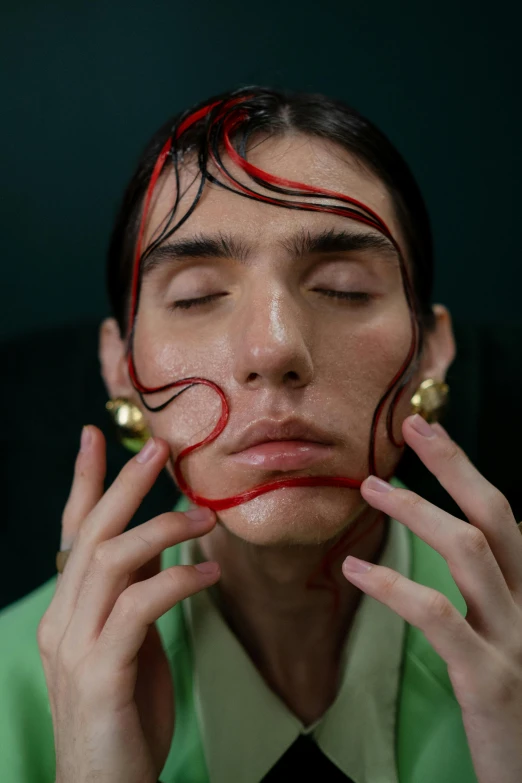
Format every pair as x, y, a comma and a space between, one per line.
303, 243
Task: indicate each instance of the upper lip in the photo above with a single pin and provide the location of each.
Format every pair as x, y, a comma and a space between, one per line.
267, 430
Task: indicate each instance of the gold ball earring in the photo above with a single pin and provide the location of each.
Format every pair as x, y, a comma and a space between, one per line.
430, 400
131, 426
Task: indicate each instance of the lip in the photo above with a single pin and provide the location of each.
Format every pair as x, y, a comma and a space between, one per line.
283, 454
281, 445
266, 430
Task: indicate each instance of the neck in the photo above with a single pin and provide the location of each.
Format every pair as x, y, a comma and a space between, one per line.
288, 630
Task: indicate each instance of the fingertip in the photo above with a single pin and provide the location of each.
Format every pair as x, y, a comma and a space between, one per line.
418, 425
154, 449
200, 514
85, 439
162, 445
408, 421
92, 452
209, 569
90, 437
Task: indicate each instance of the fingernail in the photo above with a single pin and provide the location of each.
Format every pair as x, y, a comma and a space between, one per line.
440, 429
199, 514
421, 426
147, 452
207, 568
356, 565
86, 438
377, 484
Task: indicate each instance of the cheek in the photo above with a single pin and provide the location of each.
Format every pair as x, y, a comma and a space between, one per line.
361, 362
358, 369
159, 359
162, 359
163, 354
351, 374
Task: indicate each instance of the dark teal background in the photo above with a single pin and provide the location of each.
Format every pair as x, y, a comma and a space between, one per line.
85, 84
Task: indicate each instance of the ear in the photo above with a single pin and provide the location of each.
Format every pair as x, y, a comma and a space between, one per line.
439, 346
113, 359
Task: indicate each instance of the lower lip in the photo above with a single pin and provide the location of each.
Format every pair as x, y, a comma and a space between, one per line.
283, 454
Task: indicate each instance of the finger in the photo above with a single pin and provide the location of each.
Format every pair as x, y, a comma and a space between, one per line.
87, 486
116, 560
491, 607
122, 499
108, 518
139, 606
444, 627
482, 503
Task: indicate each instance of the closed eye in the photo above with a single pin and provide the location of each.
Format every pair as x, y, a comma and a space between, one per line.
355, 296
185, 304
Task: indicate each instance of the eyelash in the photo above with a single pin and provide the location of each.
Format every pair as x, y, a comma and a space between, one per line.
354, 296
185, 304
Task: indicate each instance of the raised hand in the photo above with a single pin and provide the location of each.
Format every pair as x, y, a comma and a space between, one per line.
483, 650
109, 684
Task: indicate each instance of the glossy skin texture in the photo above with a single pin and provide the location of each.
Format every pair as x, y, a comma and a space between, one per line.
283, 350
283, 346
280, 349
280, 345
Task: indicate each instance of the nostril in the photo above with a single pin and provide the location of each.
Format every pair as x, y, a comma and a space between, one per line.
252, 376
292, 376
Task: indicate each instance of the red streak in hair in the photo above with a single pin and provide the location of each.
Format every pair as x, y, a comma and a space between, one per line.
369, 218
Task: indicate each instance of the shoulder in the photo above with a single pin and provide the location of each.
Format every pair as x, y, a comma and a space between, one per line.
26, 734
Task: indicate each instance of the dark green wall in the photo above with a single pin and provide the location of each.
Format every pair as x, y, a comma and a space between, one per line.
86, 83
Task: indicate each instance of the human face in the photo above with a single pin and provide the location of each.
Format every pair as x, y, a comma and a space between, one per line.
275, 330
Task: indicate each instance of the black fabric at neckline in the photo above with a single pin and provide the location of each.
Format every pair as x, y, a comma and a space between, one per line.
304, 760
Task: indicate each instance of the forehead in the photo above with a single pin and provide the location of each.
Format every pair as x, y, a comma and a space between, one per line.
304, 159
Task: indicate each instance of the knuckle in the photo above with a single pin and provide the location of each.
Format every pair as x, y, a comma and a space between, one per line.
45, 637
472, 541
389, 582
439, 607
498, 503
140, 542
102, 556
505, 681
174, 577
167, 522
127, 607
413, 501
452, 452
185, 580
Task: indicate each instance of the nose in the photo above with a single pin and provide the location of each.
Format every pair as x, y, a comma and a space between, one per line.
271, 342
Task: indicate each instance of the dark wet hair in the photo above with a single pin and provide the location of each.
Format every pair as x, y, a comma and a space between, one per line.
283, 112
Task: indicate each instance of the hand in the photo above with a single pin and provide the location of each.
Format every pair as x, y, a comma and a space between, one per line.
110, 689
483, 651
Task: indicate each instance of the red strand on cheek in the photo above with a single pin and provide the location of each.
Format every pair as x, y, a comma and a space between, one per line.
224, 118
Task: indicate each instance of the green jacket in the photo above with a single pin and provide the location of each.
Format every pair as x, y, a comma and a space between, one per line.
431, 743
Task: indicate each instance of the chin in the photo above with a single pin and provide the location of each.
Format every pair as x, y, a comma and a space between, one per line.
306, 516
